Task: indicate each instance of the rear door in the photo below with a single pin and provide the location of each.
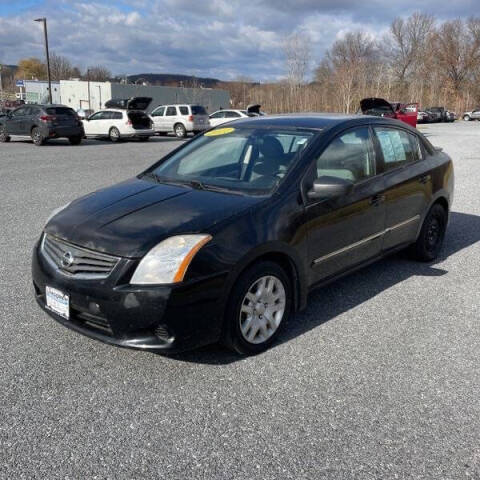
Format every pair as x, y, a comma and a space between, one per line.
408, 183
170, 118
14, 125
346, 231
217, 118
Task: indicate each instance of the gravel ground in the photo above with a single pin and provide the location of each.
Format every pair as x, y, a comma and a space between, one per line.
378, 379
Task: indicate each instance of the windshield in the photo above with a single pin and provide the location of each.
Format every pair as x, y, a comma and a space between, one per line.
198, 110
244, 159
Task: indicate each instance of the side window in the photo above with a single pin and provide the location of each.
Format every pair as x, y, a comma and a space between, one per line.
396, 146
349, 156
218, 115
417, 148
19, 112
117, 115
232, 114
34, 111
158, 112
183, 110
97, 116
171, 112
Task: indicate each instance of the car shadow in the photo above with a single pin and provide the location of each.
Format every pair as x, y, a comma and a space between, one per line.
328, 302
91, 142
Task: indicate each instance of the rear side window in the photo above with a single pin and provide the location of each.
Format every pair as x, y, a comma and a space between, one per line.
117, 115
59, 111
198, 110
396, 146
183, 110
349, 156
171, 111
232, 115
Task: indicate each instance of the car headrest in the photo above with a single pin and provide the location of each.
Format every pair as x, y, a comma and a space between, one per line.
270, 147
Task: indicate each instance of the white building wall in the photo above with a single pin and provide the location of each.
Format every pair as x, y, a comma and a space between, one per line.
74, 93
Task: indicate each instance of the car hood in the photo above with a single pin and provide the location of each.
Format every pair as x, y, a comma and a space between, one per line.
370, 103
130, 218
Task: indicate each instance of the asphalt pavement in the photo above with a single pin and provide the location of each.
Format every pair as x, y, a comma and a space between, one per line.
379, 378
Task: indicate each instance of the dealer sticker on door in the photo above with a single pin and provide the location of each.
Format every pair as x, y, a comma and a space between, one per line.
58, 302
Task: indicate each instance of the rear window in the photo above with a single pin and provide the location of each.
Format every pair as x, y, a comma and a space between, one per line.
198, 110
59, 111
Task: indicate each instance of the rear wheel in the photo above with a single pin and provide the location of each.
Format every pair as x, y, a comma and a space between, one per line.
114, 134
467, 118
180, 130
430, 241
258, 308
37, 137
75, 140
3, 135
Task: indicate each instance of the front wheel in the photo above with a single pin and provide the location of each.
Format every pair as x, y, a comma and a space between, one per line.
37, 137
430, 241
75, 140
180, 131
467, 118
258, 308
114, 134
3, 135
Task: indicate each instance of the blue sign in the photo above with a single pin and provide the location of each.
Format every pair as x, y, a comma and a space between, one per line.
20, 83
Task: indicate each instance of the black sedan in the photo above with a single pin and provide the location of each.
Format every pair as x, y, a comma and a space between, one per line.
42, 123
223, 238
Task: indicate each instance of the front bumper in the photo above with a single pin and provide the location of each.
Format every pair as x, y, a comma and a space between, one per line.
170, 318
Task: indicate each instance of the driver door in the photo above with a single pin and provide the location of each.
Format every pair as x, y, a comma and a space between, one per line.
157, 117
14, 124
346, 231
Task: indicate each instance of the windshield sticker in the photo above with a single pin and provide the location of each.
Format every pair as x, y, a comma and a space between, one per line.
219, 131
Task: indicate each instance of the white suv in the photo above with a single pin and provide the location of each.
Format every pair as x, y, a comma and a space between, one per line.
180, 119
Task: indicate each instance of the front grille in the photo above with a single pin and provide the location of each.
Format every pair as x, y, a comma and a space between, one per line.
94, 321
76, 261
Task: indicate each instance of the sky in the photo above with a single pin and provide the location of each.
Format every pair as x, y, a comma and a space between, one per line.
222, 39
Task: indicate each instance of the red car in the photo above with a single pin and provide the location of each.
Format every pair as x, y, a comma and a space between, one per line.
406, 112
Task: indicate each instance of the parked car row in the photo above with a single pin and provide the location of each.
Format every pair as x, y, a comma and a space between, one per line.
435, 115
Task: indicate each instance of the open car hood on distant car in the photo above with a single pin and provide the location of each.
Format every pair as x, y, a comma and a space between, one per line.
254, 108
369, 104
134, 103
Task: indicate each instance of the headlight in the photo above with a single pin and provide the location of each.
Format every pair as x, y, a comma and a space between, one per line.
56, 210
168, 261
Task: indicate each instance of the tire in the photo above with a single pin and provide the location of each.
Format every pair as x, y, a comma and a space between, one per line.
467, 118
179, 130
4, 138
75, 140
37, 137
268, 316
114, 134
430, 241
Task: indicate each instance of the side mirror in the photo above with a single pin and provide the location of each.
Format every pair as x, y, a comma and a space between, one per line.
329, 187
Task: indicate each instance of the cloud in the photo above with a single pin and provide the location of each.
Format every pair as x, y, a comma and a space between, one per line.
218, 38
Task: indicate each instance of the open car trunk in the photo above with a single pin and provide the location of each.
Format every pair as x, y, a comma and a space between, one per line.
381, 108
254, 108
134, 103
140, 120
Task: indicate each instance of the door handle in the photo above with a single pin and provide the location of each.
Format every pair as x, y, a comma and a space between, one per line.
425, 179
376, 200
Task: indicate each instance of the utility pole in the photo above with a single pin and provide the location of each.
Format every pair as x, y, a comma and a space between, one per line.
88, 87
1, 85
44, 21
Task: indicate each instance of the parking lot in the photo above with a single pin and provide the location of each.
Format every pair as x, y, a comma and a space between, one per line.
379, 378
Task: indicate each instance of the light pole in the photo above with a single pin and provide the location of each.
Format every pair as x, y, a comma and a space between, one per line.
44, 21
88, 87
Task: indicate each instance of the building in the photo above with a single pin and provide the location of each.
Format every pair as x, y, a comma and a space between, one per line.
36, 91
93, 95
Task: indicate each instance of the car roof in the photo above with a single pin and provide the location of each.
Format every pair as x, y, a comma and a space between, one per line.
317, 121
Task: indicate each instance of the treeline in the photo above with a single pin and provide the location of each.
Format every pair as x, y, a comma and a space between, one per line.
418, 60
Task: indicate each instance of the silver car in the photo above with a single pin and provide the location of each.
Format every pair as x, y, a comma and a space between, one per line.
472, 115
180, 119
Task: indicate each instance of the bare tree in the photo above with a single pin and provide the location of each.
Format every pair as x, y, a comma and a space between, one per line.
98, 74
60, 67
298, 56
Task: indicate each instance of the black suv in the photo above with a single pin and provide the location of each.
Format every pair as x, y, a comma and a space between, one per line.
42, 122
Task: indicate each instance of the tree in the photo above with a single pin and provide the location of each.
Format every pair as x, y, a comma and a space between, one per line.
60, 67
98, 74
31, 69
298, 56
